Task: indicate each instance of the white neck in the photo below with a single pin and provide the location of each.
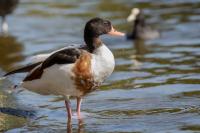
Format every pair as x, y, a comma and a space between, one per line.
102, 63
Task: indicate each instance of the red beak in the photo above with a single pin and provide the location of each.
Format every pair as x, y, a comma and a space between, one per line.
114, 32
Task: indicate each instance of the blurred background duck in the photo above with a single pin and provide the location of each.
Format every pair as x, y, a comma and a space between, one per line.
6, 7
140, 29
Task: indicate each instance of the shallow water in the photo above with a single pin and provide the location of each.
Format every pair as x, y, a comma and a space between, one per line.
155, 86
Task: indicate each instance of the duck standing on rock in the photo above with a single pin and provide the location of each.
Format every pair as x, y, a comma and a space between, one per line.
73, 71
140, 29
6, 7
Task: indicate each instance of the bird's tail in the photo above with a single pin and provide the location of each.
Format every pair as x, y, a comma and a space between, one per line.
27, 68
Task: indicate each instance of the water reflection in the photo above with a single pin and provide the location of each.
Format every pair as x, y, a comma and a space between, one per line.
10, 52
140, 47
140, 51
80, 128
8, 121
17, 112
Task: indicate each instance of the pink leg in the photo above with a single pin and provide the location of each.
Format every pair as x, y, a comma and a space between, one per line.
78, 108
69, 110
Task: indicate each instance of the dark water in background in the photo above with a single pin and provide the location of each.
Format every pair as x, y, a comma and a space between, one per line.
155, 86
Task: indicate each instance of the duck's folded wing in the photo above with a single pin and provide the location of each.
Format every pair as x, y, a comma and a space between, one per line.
65, 56
43, 57
39, 58
61, 56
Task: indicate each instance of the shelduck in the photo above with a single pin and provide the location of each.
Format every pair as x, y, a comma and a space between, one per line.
73, 71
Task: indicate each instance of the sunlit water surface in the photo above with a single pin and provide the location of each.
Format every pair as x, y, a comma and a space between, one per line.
155, 86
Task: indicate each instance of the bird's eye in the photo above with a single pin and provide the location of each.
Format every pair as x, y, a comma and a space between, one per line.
105, 23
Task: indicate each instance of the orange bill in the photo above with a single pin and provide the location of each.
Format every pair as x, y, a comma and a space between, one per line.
114, 32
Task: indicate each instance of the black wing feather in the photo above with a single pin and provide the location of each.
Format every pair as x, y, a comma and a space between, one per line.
27, 68
65, 56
